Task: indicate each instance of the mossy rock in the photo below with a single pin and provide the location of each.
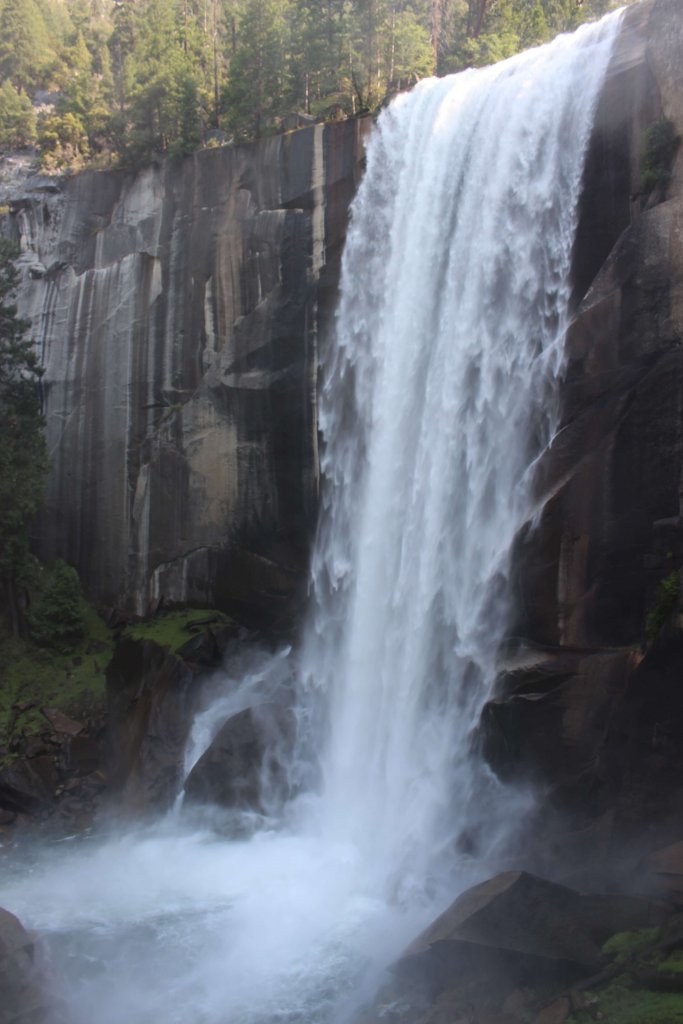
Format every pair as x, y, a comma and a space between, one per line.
173, 629
626, 944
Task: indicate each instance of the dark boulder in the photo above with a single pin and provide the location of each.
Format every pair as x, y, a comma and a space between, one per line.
512, 934
245, 766
24, 998
27, 786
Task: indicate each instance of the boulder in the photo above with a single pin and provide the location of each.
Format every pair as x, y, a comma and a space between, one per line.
244, 768
27, 786
150, 704
522, 913
513, 934
61, 723
24, 998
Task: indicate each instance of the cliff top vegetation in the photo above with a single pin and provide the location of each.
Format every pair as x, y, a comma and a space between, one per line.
105, 82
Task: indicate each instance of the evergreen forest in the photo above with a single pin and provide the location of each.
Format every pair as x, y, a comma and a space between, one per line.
106, 82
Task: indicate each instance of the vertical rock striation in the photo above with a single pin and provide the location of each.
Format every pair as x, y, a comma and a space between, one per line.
178, 313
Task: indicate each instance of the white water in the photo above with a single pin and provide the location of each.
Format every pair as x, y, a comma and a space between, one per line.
438, 393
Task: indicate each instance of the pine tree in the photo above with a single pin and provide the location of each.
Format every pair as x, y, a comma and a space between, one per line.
26, 53
17, 119
259, 82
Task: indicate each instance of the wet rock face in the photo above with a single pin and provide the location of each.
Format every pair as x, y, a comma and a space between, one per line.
178, 314
610, 526
608, 486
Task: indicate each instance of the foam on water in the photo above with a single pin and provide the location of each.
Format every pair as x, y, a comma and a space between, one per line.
439, 391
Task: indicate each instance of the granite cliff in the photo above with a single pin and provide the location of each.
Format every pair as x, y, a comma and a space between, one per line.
178, 314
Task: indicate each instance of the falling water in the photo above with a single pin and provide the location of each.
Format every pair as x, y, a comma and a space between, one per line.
439, 394
439, 391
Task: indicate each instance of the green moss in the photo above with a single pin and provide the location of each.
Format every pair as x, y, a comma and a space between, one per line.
624, 944
620, 1004
666, 600
173, 629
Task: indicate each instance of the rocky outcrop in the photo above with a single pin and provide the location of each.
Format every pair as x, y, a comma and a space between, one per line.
178, 314
579, 710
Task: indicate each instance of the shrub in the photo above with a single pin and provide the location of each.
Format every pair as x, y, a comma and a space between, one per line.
57, 619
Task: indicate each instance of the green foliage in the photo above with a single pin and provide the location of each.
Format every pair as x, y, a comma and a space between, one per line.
411, 56
57, 618
666, 600
619, 1003
622, 999
624, 944
26, 53
23, 458
36, 677
659, 150
255, 94
63, 143
17, 119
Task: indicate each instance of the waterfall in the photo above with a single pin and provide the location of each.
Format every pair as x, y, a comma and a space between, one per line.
439, 393
439, 390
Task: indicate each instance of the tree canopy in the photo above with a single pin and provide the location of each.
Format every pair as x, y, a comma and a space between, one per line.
136, 78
